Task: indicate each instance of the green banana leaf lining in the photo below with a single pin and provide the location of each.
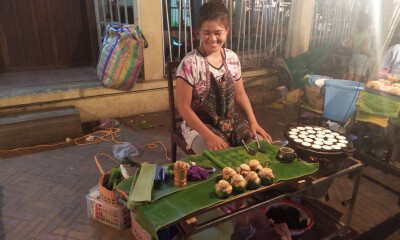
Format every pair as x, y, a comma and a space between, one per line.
173, 207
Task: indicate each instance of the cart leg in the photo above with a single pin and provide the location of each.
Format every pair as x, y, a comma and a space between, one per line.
353, 201
299, 115
392, 142
360, 137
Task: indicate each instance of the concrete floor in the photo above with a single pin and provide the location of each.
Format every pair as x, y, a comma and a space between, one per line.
42, 191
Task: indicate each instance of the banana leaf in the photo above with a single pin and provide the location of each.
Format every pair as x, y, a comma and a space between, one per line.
176, 206
142, 187
169, 187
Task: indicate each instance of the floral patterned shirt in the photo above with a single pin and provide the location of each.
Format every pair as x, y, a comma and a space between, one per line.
193, 70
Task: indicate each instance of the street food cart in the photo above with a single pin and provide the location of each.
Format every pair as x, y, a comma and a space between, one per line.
374, 126
181, 206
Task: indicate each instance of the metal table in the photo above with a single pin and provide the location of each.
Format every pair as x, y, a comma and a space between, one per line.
188, 225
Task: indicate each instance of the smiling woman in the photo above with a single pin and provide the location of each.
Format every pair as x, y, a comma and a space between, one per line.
209, 85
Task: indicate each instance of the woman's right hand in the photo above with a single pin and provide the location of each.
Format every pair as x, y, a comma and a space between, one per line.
215, 143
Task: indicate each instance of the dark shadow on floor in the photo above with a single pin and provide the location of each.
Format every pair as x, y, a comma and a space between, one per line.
382, 230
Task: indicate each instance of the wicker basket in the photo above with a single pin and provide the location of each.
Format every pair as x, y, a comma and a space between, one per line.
314, 97
106, 195
137, 230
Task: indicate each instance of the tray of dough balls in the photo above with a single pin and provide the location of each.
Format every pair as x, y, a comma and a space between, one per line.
317, 138
384, 88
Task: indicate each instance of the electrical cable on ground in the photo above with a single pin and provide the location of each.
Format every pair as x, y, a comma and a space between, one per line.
93, 138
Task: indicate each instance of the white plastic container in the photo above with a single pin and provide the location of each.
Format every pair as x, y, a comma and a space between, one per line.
114, 216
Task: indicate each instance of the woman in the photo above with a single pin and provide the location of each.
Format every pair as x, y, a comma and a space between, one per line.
361, 45
391, 59
208, 86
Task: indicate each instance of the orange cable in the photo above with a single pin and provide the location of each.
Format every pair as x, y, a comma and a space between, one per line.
97, 139
107, 133
154, 145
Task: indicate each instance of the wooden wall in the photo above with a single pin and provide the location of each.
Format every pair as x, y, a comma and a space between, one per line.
44, 34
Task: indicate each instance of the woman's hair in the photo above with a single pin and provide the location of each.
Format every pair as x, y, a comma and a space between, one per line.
363, 21
214, 10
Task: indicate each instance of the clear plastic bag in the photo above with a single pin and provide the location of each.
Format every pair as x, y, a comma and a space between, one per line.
125, 149
255, 226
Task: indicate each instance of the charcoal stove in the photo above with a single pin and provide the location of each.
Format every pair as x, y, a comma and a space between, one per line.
330, 161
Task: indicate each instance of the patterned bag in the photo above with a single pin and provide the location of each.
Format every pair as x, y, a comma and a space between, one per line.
121, 56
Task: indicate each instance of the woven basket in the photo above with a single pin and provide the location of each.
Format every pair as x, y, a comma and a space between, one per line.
106, 195
314, 97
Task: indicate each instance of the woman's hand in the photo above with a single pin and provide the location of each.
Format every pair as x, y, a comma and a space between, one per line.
255, 128
215, 143
243, 101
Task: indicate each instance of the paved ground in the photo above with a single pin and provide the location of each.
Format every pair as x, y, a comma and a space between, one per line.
42, 192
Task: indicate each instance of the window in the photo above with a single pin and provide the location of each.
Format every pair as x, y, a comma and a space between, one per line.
174, 12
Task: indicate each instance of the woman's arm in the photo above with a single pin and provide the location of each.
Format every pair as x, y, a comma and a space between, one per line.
365, 47
350, 42
184, 99
243, 101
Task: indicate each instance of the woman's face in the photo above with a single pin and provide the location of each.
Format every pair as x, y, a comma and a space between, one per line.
212, 36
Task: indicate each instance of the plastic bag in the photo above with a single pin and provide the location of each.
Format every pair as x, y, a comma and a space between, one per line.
108, 123
256, 226
125, 149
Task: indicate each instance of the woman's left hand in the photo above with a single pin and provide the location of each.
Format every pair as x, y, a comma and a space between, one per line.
255, 128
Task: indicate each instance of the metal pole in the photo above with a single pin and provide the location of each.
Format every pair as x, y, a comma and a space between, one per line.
334, 22
339, 20
104, 13
118, 14
273, 27
240, 25
96, 12
230, 20
249, 31
168, 30
184, 26
282, 29
191, 29
179, 29
126, 12
320, 29
325, 32
277, 29
266, 30
316, 22
111, 12
289, 37
261, 30
244, 31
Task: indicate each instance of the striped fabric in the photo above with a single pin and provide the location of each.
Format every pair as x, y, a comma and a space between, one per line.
121, 57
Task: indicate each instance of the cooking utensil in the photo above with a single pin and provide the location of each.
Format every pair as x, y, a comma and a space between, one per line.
280, 143
210, 170
249, 149
259, 147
